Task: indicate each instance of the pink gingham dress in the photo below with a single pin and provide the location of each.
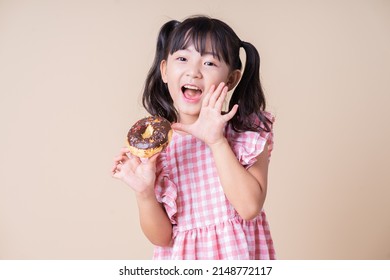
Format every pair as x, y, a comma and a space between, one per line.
205, 224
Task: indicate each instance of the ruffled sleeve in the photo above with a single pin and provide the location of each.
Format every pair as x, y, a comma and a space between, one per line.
165, 189
249, 144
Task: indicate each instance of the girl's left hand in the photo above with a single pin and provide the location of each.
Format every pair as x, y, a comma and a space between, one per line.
210, 124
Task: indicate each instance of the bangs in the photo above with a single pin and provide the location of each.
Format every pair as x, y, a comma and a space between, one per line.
199, 35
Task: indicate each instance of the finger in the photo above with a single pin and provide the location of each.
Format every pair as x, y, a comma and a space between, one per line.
123, 155
116, 175
221, 99
153, 158
227, 117
207, 96
134, 162
119, 167
215, 95
116, 169
125, 152
182, 127
120, 158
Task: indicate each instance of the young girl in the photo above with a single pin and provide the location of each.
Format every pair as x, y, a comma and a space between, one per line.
202, 198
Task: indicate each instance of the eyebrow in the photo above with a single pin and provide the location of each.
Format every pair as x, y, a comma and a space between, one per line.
214, 54
211, 53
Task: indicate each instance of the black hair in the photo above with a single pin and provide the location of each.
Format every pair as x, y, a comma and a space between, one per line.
248, 94
156, 98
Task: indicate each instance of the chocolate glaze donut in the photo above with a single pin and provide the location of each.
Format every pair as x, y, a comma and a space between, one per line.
149, 136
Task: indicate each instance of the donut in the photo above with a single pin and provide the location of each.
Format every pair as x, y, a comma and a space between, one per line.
149, 136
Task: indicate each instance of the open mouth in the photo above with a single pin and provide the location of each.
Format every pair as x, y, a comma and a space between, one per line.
191, 93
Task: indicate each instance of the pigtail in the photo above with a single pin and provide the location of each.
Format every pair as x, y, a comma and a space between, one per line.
156, 98
249, 95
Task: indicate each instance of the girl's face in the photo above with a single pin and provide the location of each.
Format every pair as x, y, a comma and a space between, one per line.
189, 75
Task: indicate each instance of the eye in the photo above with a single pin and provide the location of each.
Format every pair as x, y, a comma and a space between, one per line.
209, 63
180, 58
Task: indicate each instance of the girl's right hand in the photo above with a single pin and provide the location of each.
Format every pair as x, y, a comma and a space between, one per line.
139, 174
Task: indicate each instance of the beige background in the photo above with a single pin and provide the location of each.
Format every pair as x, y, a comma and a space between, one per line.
71, 74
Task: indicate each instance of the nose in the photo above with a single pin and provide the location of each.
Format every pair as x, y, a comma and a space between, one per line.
194, 71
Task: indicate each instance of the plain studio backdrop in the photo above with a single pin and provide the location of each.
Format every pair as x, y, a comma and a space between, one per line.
71, 77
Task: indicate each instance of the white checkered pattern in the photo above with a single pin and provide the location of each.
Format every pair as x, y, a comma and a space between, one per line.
205, 225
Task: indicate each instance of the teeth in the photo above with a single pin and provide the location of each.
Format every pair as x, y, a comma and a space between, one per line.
191, 87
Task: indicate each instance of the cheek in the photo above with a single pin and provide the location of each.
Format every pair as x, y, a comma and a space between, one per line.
172, 76
174, 91
217, 79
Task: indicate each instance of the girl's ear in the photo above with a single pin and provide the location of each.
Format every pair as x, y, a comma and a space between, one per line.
163, 70
233, 79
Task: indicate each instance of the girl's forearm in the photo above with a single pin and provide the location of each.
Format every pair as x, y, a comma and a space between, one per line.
153, 219
245, 191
